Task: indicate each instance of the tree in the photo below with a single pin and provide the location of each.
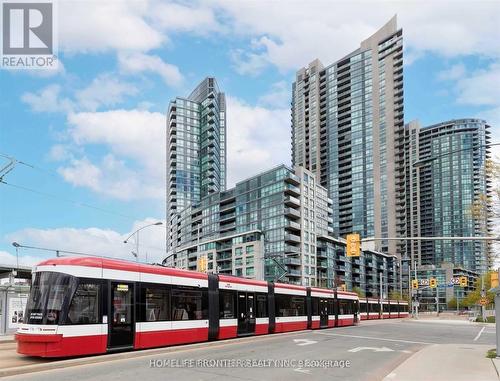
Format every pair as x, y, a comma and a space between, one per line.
395, 295
359, 291
452, 304
473, 297
487, 205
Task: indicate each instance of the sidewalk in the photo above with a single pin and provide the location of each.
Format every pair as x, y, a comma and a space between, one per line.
448, 321
6, 339
443, 362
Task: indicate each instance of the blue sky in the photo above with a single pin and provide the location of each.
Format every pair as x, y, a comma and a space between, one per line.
95, 129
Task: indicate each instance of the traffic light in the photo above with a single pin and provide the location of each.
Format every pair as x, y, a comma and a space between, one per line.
463, 281
494, 279
433, 283
414, 284
202, 263
343, 287
353, 245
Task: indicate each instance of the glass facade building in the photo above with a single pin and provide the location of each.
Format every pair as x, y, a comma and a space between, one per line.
449, 177
196, 147
347, 127
445, 174
273, 226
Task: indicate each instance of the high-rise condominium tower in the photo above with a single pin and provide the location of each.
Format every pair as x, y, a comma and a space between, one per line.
447, 172
196, 146
348, 129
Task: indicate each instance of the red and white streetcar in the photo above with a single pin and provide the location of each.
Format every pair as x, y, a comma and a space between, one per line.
88, 305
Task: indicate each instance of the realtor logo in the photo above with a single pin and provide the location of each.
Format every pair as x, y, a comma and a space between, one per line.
28, 35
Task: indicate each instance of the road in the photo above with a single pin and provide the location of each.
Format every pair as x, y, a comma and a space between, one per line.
366, 352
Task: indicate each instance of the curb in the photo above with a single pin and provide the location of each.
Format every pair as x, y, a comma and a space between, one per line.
101, 358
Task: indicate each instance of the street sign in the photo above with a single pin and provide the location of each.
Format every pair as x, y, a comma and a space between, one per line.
353, 245
423, 282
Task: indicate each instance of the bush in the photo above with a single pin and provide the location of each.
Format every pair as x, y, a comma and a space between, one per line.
491, 354
489, 319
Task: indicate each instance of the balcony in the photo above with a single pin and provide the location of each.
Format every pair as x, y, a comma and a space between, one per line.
292, 238
292, 179
290, 225
292, 261
289, 249
294, 273
292, 190
293, 213
227, 217
292, 201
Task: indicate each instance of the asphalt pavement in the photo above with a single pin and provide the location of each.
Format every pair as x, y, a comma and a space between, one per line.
370, 351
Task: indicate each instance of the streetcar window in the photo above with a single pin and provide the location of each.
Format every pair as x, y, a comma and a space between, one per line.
226, 304
362, 307
288, 305
84, 308
189, 303
343, 307
315, 306
47, 297
385, 307
156, 304
261, 305
331, 310
346, 307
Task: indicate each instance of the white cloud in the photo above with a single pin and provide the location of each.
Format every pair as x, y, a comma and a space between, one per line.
292, 36
105, 90
10, 259
111, 177
178, 17
481, 87
97, 241
100, 26
248, 63
453, 73
138, 63
278, 97
258, 138
48, 99
133, 168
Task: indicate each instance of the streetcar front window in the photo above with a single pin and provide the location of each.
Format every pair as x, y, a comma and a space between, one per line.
47, 296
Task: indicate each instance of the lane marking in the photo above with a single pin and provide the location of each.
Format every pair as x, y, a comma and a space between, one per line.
301, 370
375, 338
303, 342
381, 349
479, 334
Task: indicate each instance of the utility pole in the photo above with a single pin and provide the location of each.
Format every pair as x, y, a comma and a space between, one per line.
483, 294
381, 296
458, 310
437, 300
416, 291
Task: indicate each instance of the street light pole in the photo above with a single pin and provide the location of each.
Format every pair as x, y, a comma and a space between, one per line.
136, 233
416, 291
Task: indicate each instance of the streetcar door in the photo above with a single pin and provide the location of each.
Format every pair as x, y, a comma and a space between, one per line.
323, 313
121, 318
246, 313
